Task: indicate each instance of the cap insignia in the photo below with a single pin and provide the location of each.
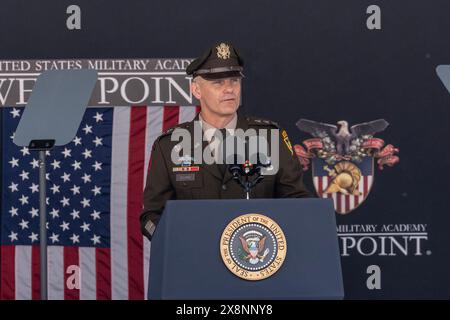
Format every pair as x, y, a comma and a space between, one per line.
223, 51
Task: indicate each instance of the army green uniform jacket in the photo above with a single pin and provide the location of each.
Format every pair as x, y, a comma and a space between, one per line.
208, 182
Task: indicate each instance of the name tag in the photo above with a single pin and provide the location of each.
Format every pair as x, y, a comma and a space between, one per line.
185, 177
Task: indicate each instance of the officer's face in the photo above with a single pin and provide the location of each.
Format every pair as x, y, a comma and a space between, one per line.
220, 97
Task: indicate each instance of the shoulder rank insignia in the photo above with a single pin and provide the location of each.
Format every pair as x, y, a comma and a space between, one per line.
170, 130
285, 137
262, 122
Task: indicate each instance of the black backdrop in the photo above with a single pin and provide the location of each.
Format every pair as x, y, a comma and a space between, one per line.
311, 59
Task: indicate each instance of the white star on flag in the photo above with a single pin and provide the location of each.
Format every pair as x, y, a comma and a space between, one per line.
65, 177
14, 162
55, 164
75, 214
14, 186
95, 215
23, 200
97, 166
13, 236
75, 238
24, 175
66, 153
95, 239
86, 178
64, 226
13, 212
85, 202
77, 141
55, 189
75, 190
76, 165
98, 141
34, 187
34, 212
96, 190
15, 113
33, 237
98, 117
24, 224
54, 238
85, 227
65, 202
35, 163
87, 129
54, 213
25, 151
87, 153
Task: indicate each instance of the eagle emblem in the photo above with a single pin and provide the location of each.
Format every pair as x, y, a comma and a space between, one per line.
253, 245
250, 249
223, 51
342, 159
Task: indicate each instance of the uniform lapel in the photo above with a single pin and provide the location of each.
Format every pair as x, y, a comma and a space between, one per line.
211, 168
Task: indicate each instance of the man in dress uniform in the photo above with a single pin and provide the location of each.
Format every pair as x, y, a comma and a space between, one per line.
216, 83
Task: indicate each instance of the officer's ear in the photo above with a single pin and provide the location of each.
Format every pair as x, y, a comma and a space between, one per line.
195, 88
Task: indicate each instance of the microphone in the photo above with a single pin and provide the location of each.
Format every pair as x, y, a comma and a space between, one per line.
243, 172
234, 165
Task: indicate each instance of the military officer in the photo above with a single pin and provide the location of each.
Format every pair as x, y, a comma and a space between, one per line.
217, 76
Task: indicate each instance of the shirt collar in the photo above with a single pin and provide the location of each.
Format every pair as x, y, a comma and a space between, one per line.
209, 130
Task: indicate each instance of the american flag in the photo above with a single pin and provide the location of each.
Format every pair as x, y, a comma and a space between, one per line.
94, 199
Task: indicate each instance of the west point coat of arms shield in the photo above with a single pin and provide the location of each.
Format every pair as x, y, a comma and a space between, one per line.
343, 159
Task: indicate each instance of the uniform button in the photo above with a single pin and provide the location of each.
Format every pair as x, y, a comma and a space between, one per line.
184, 184
224, 187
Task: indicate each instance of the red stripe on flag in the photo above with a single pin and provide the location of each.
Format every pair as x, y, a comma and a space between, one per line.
7, 277
320, 186
103, 273
357, 199
35, 273
339, 202
347, 203
171, 117
71, 258
366, 185
330, 195
151, 154
136, 159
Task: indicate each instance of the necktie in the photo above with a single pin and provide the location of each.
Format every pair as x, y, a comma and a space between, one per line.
222, 166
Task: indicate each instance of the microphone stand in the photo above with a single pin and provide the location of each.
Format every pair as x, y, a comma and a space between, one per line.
241, 175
